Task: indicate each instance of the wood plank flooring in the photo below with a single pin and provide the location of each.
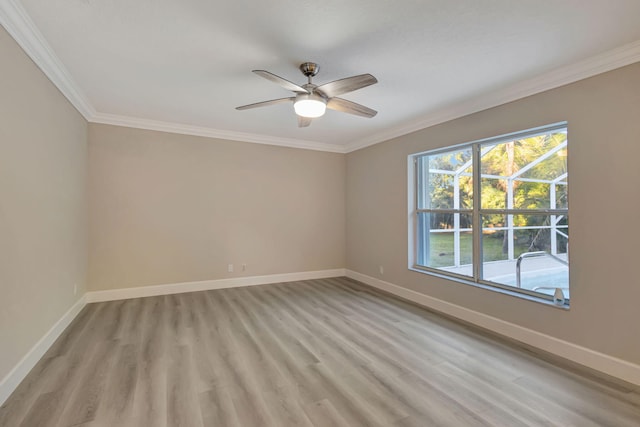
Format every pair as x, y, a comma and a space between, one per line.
314, 353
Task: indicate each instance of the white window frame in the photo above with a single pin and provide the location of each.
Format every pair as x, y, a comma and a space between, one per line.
477, 212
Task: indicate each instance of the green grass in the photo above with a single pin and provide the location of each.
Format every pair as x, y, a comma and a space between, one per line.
441, 249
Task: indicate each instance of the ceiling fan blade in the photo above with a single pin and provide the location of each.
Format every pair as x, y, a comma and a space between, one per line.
280, 81
338, 87
265, 103
344, 106
303, 122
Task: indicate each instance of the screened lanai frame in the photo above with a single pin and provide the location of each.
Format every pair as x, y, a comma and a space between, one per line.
555, 214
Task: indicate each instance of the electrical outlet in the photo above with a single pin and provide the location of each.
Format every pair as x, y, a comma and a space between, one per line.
244, 267
230, 268
381, 270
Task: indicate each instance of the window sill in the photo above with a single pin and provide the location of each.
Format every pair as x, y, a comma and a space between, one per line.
503, 291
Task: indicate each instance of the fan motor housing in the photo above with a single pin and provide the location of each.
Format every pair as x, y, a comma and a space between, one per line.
309, 69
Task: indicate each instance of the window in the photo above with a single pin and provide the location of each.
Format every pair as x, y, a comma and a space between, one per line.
494, 212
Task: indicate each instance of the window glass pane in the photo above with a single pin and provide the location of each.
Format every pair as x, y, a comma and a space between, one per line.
527, 173
445, 180
445, 241
542, 241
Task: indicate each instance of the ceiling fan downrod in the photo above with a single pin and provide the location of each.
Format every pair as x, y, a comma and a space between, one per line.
309, 69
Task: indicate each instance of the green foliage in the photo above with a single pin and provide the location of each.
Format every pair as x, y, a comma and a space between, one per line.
499, 162
506, 159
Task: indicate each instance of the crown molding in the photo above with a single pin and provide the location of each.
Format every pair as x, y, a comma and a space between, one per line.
14, 18
16, 21
607, 61
170, 127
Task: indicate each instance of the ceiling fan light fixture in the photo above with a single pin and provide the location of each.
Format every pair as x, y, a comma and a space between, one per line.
310, 105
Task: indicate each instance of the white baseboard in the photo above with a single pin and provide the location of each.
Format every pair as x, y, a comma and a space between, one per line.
206, 285
17, 374
609, 365
617, 368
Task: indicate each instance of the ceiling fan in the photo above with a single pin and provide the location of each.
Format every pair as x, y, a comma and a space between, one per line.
311, 100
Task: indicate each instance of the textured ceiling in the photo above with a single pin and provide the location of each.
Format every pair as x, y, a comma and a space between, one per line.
189, 62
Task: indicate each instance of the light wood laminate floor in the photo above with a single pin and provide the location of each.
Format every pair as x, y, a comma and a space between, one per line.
314, 353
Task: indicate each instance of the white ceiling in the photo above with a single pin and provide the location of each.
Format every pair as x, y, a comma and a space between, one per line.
187, 64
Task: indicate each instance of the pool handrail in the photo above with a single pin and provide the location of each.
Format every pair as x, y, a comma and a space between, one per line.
532, 255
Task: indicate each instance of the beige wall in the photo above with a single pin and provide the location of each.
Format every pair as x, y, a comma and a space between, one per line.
603, 113
169, 208
43, 159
